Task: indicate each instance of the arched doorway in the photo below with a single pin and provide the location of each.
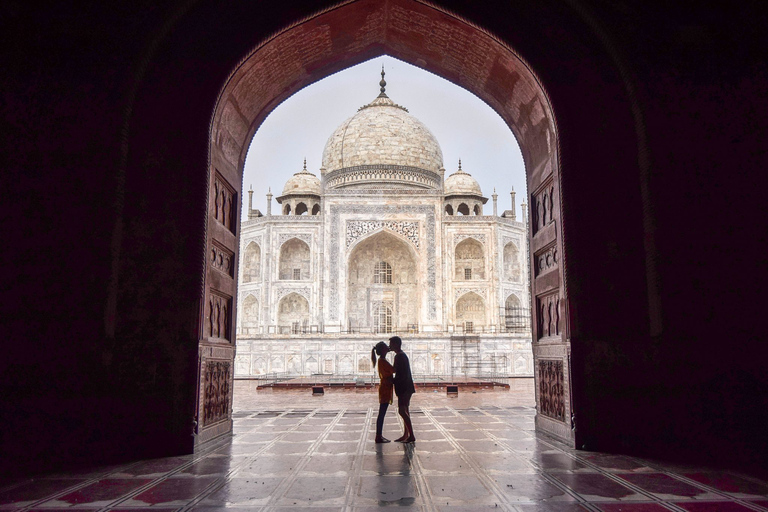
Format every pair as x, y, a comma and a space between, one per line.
382, 285
504, 81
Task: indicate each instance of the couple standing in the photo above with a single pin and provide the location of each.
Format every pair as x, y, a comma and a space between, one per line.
397, 376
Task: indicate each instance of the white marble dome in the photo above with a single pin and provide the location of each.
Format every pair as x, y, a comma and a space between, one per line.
302, 183
382, 133
461, 184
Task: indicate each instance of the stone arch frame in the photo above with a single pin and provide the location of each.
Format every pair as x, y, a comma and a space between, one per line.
468, 295
287, 316
506, 275
287, 209
413, 252
459, 272
301, 208
511, 88
316, 209
246, 322
515, 296
477, 210
306, 273
463, 209
251, 274
449, 209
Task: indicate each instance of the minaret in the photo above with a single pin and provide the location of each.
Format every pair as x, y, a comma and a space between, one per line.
514, 210
525, 212
269, 202
495, 196
250, 202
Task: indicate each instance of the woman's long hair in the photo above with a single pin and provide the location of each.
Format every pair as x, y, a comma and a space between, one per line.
377, 349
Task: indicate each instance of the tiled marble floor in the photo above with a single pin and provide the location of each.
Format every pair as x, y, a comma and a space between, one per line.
476, 452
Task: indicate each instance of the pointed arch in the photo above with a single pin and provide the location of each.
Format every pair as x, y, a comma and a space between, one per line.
294, 260
250, 311
512, 264
469, 260
252, 263
292, 313
470, 312
383, 291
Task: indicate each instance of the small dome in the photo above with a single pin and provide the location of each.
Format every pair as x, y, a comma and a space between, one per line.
461, 184
302, 183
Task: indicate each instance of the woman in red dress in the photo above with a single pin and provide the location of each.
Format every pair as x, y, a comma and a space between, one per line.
385, 387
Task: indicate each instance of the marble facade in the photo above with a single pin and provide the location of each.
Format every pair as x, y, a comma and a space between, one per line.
383, 243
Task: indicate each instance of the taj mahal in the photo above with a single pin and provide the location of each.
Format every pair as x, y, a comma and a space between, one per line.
383, 242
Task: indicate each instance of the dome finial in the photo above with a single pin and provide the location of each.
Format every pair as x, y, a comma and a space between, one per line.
382, 84
460, 165
305, 164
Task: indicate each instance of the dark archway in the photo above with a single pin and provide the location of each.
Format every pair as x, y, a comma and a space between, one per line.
169, 149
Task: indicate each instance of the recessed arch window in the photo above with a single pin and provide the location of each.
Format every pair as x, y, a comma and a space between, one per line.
287, 209
382, 319
469, 260
294, 260
316, 210
449, 209
478, 210
463, 209
301, 209
252, 263
382, 273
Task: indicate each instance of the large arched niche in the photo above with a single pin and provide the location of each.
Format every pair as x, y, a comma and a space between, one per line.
382, 275
442, 43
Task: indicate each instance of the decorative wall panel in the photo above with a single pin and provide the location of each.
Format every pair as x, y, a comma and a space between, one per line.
216, 396
224, 203
551, 389
222, 259
219, 316
548, 308
543, 204
546, 259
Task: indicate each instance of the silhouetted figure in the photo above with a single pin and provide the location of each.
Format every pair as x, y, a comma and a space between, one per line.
404, 388
385, 387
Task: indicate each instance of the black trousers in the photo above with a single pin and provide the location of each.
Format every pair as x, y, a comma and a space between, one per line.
380, 418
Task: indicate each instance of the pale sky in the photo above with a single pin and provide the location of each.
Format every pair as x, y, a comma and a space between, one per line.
464, 125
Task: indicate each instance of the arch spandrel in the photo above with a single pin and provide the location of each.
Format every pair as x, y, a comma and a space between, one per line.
384, 231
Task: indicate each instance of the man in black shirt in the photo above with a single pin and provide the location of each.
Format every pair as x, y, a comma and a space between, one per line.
404, 388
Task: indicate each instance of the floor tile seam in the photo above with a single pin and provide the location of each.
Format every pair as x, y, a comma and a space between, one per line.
754, 506
82, 485
289, 480
357, 466
540, 471
611, 476
511, 451
222, 480
421, 482
601, 471
479, 471
571, 492
694, 483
